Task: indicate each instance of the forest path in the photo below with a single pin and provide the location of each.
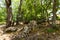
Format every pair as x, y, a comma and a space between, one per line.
2, 25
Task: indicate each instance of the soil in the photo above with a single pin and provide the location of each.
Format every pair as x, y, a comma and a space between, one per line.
30, 32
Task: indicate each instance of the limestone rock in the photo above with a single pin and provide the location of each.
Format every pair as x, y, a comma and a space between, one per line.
11, 29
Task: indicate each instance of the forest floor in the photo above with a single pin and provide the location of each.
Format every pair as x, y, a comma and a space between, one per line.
30, 31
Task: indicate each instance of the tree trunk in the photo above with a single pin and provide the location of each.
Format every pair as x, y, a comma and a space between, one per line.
54, 13
19, 13
35, 16
9, 13
47, 15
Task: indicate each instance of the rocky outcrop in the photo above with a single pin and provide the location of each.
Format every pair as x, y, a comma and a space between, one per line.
24, 33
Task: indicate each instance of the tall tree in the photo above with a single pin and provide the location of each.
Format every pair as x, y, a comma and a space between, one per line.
35, 9
19, 13
46, 8
9, 13
54, 12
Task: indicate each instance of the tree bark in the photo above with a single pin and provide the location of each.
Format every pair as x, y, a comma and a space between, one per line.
9, 13
54, 12
19, 13
47, 15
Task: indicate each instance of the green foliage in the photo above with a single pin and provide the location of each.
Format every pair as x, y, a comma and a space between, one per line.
2, 14
50, 30
58, 17
32, 9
